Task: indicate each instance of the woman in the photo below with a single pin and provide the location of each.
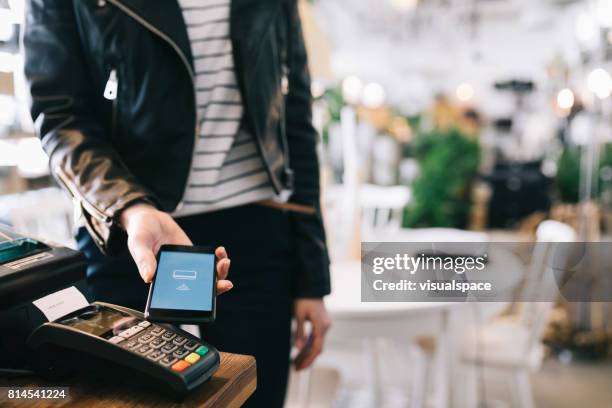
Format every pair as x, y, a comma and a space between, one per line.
190, 122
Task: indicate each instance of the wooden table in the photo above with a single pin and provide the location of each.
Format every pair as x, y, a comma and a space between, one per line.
230, 386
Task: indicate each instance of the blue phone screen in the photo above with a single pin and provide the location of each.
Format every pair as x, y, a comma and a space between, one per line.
184, 281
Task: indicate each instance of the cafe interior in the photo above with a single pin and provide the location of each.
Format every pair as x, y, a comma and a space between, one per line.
486, 121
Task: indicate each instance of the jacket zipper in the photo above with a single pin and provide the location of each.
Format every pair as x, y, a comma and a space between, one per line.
285, 79
112, 86
288, 173
242, 82
285, 88
283, 57
167, 39
111, 92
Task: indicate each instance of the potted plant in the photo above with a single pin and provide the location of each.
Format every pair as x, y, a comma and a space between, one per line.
449, 161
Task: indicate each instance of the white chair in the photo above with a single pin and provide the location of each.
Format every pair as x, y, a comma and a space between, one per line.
362, 213
512, 345
379, 337
382, 208
300, 389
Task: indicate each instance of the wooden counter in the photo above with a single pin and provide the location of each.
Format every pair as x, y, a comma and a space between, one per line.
230, 386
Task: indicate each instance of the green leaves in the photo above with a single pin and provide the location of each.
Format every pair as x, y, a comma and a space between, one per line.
568, 175
449, 162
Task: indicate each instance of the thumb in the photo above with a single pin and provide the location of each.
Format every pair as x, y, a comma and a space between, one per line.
142, 252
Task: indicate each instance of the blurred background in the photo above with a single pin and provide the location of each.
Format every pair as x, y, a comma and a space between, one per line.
440, 120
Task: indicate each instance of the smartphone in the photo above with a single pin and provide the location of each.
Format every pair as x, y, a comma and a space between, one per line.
184, 289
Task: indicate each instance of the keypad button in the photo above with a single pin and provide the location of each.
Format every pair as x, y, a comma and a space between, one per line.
145, 338
179, 340
190, 345
155, 355
144, 324
125, 334
169, 348
131, 344
192, 358
116, 339
168, 360
157, 343
168, 336
180, 353
202, 350
144, 349
130, 332
180, 366
157, 331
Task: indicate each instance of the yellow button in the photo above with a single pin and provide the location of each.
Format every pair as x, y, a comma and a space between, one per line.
192, 358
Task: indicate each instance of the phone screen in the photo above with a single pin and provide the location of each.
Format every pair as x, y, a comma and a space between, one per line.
184, 281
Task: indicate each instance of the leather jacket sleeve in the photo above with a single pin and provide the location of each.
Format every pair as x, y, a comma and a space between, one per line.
62, 106
312, 279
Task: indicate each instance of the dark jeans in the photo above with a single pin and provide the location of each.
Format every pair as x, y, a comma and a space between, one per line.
255, 316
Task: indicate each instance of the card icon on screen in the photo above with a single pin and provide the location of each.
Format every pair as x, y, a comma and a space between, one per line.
181, 274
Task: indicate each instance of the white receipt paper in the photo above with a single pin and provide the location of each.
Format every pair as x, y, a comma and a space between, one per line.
61, 303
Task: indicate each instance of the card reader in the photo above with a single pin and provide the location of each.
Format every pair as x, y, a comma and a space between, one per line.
31, 268
117, 341
96, 338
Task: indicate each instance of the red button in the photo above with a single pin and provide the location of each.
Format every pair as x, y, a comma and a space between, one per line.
180, 366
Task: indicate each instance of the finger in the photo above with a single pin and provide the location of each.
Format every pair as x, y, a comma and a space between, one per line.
313, 353
299, 333
220, 252
224, 286
223, 267
142, 253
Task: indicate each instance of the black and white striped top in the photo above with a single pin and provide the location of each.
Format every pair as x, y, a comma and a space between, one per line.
227, 169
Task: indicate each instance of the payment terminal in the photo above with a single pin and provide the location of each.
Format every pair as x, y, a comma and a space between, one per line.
118, 342
38, 280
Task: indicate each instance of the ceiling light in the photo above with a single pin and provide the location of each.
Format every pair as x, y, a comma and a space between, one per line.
404, 5
465, 92
373, 95
351, 89
600, 83
565, 99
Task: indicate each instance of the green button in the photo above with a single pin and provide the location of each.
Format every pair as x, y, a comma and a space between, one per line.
202, 350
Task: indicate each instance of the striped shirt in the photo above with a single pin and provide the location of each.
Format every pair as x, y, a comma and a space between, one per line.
226, 169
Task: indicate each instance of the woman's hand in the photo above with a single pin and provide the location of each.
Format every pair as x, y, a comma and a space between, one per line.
312, 310
148, 229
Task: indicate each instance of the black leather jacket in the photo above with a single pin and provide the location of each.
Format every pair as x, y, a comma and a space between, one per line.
109, 154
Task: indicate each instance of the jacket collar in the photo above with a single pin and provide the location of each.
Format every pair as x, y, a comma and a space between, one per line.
164, 16
248, 20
